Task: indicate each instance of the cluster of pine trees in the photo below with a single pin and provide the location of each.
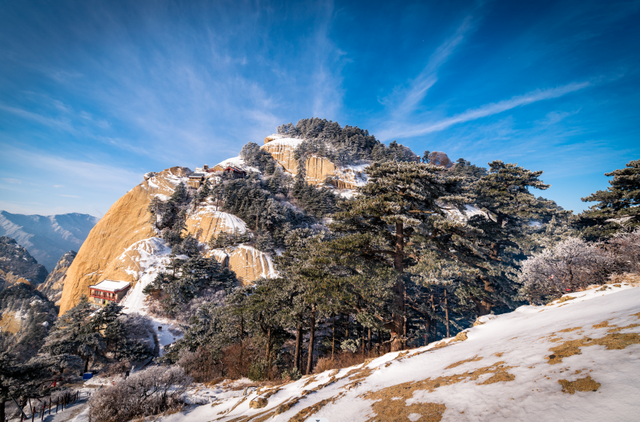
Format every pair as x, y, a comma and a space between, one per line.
402, 264
425, 248
341, 145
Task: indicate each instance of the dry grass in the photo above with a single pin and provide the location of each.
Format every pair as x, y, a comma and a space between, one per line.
455, 364
461, 336
302, 415
390, 403
568, 330
627, 278
612, 341
343, 360
583, 384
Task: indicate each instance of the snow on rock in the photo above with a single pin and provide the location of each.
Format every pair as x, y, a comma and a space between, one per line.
207, 221
247, 262
128, 221
146, 259
290, 142
576, 359
351, 176
237, 162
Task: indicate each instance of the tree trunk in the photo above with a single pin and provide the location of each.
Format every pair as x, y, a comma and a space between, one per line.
268, 353
312, 332
296, 358
446, 311
369, 342
398, 332
333, 339
2, 403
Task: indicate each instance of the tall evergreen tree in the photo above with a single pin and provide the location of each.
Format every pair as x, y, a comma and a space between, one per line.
400, 201
617, 208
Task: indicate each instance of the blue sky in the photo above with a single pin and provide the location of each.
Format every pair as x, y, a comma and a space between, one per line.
94, 94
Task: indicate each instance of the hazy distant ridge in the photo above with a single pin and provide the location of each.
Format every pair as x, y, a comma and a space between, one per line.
47, 238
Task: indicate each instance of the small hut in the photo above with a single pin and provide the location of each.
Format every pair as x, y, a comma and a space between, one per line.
195, 180
108, 291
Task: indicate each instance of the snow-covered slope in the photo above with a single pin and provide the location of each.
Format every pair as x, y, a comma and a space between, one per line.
47, 238
575, 360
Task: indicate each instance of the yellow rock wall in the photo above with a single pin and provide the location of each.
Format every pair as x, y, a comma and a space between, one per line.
317, 169
206, 222
126, 223
250, 264
283, 154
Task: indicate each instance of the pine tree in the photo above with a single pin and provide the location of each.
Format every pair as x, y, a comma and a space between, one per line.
76, 334
400, 201
33, 378
617, 208
510, 214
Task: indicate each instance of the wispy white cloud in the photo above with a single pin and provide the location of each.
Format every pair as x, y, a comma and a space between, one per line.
406, 131
404, 101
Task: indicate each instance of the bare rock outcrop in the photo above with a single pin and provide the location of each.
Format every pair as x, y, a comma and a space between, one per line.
17, 265
126, 222
207, 222
247, 262
53, 285
282, 150
318, 170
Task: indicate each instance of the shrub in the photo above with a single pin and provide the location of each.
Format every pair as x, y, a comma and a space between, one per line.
571, 265
149, 392
342, 360
201, 365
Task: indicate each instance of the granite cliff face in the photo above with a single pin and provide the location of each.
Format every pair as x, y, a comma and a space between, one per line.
124, 243
126, 222
52, 286
318, 170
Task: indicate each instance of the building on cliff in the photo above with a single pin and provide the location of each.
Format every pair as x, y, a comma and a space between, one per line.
108, 291
195, 180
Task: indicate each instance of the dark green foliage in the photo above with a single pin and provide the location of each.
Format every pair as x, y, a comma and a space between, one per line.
94, 335
617, 208
16, 260
316, 201
187, 280
188, 246
20, 380
258, 158
341, 145
498, 238
470, 173
169, 216
261, 205
401, 201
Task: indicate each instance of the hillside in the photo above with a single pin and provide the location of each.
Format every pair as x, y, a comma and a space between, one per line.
53, 285
17, 265
47, 238
575, 359
125, 245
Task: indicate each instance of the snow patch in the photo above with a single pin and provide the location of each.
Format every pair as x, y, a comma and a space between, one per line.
523, 386
292, 142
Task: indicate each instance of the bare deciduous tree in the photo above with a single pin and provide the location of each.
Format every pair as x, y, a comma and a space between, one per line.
145, 393
570, 265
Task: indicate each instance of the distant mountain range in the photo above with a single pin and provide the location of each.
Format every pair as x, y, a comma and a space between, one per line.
47, 238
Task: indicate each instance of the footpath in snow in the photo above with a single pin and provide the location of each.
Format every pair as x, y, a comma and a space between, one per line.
577, 359
152, 257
